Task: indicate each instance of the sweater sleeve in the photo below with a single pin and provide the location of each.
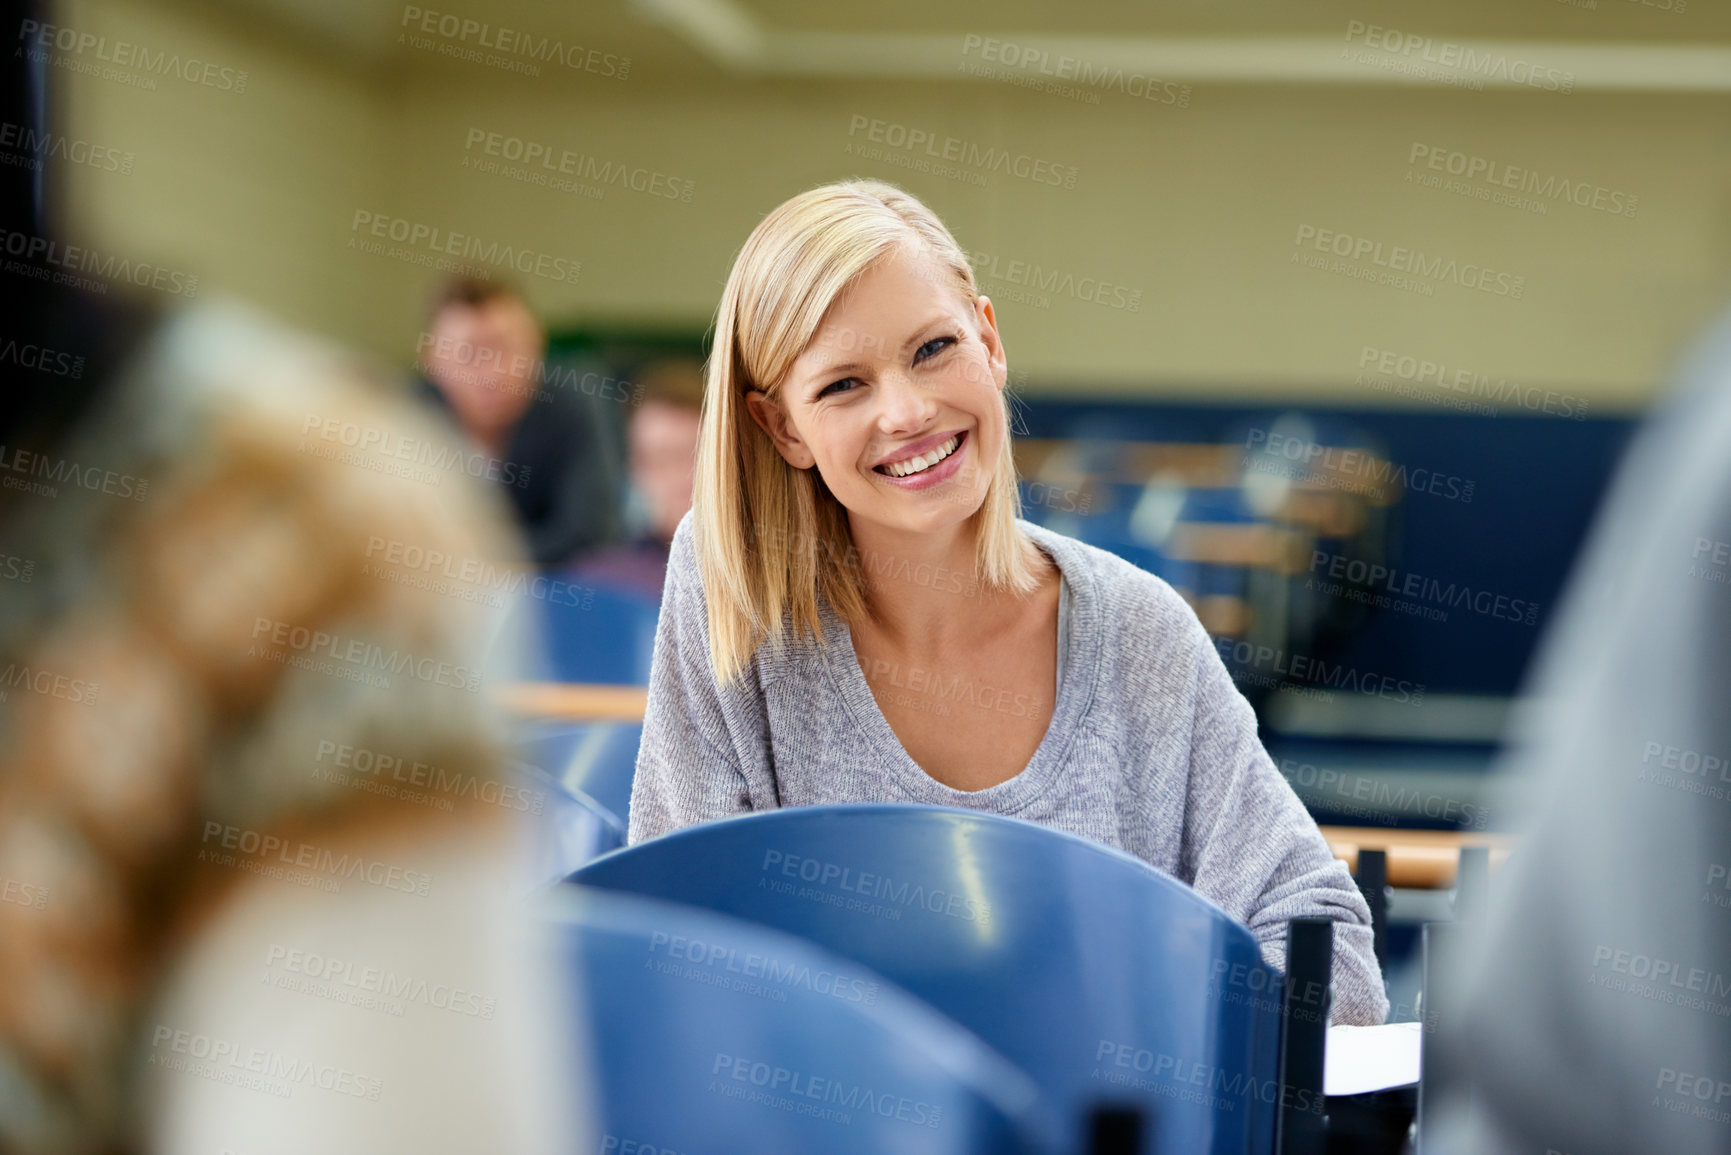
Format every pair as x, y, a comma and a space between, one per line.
687, 771
1250, 845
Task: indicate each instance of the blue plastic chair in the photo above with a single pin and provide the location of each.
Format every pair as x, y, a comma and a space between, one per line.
606, 637
582, 777
603, 764
548, 744
715, 1035
1101, 977
596, 759
566, 828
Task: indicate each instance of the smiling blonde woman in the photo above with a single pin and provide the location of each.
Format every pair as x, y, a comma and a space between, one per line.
855, 612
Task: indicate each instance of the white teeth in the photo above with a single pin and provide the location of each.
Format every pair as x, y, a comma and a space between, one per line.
925, 460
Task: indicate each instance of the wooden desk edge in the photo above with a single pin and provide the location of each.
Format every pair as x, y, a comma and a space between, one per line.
1421, 859
573, 702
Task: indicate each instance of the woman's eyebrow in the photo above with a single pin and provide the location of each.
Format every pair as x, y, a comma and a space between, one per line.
829, 369
934, 321
827, 374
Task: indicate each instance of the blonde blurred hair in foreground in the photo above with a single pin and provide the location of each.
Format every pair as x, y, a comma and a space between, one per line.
798, 260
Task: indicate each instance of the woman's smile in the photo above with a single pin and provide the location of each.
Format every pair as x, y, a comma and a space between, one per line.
934, 467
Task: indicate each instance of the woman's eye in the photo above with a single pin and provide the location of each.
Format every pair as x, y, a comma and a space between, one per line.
933, 347
836, 385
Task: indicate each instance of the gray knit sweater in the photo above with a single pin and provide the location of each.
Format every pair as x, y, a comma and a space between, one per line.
1151, 750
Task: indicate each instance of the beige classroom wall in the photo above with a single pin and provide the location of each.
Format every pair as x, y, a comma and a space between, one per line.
1196, 210
245, 189
1192, 213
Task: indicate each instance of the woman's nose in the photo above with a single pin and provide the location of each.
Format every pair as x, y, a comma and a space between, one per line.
905, 404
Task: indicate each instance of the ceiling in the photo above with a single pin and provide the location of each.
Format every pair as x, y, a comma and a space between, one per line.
1613, 45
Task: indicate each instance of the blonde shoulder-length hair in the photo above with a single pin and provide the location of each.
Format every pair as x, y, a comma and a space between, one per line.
770, 537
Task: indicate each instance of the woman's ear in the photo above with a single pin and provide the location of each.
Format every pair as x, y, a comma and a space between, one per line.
986, 318
773, 420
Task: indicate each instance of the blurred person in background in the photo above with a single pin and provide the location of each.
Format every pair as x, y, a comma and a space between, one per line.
662, 466
537, 430
1595, 1012
254, 837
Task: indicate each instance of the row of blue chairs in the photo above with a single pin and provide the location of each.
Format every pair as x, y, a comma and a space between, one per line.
888, 978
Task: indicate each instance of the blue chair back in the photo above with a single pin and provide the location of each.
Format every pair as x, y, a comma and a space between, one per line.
547, 744
581, 777
716, 1035
1101, 977
567, 828
596, 759
594, 634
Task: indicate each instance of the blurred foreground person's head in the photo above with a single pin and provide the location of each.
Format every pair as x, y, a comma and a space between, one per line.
255, 841
482, 349
1596, 1002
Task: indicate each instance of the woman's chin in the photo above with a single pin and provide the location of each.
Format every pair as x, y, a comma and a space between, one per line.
940, 516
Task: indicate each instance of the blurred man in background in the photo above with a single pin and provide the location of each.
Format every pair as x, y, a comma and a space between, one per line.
537, 430
662, 440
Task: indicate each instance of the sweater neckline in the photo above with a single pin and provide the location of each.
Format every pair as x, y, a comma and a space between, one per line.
1075, 694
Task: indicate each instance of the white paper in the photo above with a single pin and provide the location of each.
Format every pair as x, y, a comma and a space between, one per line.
1365, 1059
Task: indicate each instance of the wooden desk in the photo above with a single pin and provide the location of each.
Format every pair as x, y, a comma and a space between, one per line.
561, 702
1420, 859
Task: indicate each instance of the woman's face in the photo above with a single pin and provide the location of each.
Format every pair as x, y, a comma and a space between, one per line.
903, 368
